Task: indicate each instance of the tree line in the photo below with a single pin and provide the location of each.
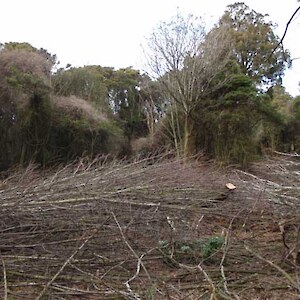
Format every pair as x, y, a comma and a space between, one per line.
217, 91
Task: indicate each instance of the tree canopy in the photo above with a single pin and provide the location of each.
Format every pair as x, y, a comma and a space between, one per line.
214, 91
254, 42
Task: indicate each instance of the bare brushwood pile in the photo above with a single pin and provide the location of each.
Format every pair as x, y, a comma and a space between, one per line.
150, 229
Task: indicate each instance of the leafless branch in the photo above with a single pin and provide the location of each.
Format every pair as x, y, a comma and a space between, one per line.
285, 31
4, 279
293, 283
62, 267
129, 246
45, 217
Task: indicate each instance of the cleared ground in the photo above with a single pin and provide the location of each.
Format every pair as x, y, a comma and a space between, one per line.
156, 228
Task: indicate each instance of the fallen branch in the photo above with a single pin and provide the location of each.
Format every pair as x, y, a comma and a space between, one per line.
4, 279
287, 154
293, 283
62, 268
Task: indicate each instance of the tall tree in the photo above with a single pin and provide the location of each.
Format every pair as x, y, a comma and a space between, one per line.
281, 100
24, 99
152, 102
228, 122
254, 41
185, 60
124, 91
88, 83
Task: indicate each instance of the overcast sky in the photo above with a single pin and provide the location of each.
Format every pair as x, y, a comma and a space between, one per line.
109, 32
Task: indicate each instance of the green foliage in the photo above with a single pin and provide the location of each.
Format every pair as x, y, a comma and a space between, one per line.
278, 128
253, 43
150, 292
25, 105
126, 102
111, 91
36, 126
27, 83
116, 143
206, 98
292, 129
211, 84
35, 129
227, 122
19, 46
281, 100
26, 138
296, 108
211, 246
76, 137
86, 82
190, 251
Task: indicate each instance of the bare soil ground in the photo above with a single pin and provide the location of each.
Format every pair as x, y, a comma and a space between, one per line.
156, 228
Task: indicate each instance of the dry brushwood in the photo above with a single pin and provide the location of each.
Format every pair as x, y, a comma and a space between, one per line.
112, 229
292, 250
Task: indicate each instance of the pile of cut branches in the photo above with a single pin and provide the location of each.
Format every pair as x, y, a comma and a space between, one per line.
155, 228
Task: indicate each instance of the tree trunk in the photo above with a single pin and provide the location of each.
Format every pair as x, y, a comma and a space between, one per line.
175, 133
189, 138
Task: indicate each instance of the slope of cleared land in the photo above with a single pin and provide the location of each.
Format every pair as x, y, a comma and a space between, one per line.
151, 229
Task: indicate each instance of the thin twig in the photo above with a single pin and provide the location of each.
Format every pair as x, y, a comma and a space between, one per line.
129, 246
284, 273
4, 279
213, 295
226, 248
62, 268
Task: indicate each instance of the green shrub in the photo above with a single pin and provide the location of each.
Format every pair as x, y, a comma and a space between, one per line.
211, 246
190, 251
72, 138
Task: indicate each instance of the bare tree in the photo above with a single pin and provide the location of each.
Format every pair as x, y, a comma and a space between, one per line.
186, 61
